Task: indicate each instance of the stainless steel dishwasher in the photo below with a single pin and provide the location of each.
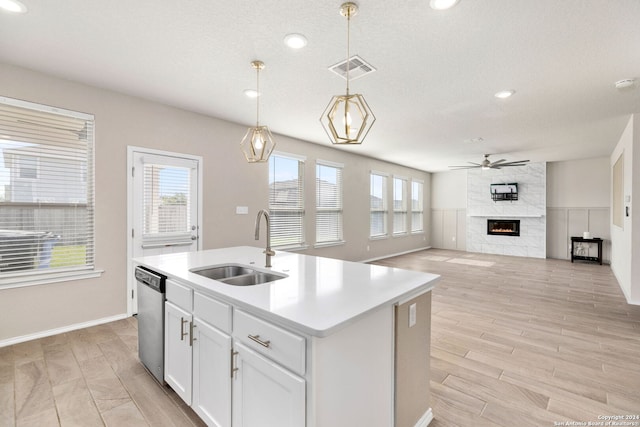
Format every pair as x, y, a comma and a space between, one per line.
151, 297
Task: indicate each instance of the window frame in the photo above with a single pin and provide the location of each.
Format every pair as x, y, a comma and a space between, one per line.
384, 210
36, 276
404, 211
421, 203
301, 209
338, 209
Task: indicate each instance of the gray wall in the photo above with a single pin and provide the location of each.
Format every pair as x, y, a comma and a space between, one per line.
229, 181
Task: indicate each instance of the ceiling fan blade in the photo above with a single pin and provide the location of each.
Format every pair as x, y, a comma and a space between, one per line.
498, 161
515, 163
464, 167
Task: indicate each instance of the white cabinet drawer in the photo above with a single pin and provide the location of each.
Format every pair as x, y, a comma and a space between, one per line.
274, 342
212, 311
180, 295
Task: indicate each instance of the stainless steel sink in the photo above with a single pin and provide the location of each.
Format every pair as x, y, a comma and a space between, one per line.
223, 271
237, 275
252, 279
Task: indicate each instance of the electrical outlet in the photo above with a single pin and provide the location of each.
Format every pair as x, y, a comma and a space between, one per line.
242, 210
412, 314
368, 248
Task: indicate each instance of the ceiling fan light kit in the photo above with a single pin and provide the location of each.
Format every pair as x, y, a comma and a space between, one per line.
348, 118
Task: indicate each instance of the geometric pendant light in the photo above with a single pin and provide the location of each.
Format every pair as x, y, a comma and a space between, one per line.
348, 118
258, 142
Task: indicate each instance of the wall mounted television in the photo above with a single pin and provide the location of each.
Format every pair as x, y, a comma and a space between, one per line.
508, 191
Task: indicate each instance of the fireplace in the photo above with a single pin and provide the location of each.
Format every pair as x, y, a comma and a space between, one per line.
503, 227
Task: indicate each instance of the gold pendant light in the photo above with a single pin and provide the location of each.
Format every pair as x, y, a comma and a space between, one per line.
348, 118
258, 142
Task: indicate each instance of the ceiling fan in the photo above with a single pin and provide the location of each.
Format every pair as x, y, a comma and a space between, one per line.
487, 164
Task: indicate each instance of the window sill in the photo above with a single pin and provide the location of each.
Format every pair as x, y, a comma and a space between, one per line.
402, 234
290, 248
33, 279
329, 244
386, 236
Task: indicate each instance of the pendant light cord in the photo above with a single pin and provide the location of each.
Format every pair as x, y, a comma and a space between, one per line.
348, 44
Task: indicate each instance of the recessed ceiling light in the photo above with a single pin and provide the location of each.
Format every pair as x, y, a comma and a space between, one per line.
251, 93
12, 6
504, 94
295, 41
442, 4
625, 83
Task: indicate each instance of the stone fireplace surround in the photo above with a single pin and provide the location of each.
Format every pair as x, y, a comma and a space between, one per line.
530, 209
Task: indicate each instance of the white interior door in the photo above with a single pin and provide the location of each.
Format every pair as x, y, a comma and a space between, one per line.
164, 206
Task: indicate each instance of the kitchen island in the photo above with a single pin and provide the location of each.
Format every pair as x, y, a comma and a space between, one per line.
329, 343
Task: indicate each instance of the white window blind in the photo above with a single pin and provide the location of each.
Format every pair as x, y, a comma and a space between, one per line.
286, 200
167, 193
417, 206
46, 190
399, 205
328, 203
378, 205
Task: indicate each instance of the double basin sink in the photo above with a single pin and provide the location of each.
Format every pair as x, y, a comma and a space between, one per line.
237, 275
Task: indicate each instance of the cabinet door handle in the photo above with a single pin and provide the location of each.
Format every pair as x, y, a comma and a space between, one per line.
234, 367
191, 337
182, 332
256, 338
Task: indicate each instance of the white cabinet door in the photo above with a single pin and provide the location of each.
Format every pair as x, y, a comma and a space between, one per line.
177, 350
211, 375
264, 394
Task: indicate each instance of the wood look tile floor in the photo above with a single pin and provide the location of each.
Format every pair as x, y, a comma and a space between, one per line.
515, 342
88, 377
528, 342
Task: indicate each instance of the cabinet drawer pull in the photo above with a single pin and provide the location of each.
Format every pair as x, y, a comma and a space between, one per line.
256, 338
182, 332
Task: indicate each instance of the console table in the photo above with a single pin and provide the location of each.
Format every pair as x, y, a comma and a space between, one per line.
597, 241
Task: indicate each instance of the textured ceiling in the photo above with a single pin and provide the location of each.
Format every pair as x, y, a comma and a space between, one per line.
433, 89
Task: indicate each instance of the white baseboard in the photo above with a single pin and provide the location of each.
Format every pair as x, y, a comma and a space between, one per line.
426, 419
396, 254
56, 331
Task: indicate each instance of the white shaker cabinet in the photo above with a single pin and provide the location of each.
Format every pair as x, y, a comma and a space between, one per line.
177, 350
211, 375
265, 394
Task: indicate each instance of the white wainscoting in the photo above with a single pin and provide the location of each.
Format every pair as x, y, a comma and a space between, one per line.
563, 223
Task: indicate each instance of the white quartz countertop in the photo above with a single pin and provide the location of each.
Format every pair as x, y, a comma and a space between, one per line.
319, 295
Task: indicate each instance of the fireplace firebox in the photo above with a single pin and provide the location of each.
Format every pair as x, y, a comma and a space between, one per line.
503, 227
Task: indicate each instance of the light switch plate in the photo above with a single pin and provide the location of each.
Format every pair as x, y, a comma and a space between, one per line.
242, 210
412, 314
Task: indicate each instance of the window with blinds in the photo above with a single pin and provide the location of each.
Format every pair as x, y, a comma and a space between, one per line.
286, 200
378, 205
167, 192
46, 190
400, 212
328, 203
417, 206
